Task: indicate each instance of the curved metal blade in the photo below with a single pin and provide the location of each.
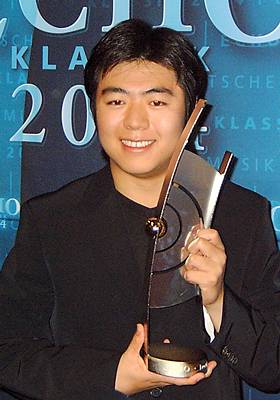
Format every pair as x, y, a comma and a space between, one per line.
188, 197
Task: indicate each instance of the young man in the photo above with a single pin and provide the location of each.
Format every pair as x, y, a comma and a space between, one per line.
71, 289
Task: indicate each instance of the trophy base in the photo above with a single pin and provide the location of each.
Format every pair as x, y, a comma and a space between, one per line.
175, 361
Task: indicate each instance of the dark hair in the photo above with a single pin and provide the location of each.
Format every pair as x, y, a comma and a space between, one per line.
135, 39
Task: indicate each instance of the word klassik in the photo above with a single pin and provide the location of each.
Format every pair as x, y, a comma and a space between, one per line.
219, 12
20, 57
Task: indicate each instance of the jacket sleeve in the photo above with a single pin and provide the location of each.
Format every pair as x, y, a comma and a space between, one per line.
32, 366
249, 338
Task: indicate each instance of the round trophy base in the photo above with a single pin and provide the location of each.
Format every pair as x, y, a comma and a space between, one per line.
175, 361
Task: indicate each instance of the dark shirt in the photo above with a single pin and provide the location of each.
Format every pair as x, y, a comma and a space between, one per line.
71, 294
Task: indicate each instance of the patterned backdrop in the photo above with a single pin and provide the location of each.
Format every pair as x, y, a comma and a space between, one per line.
47, 135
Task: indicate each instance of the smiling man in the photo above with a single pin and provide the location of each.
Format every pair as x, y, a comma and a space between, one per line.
71, 290
140, 119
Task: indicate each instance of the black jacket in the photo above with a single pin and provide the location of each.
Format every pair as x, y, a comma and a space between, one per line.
69, 297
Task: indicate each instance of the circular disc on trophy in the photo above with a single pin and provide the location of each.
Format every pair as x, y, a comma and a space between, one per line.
181, 214
175, 361
175, 232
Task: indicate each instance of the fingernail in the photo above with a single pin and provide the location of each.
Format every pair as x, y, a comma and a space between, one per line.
195, 230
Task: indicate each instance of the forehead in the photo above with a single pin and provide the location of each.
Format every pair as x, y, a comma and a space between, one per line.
139, 75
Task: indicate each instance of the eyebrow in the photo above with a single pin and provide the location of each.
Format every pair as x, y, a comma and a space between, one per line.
114, 89
160, 90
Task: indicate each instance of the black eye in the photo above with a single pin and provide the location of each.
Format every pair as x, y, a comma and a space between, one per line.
115, 102
158, 103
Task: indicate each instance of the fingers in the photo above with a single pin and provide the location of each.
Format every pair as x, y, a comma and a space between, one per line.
197, 262
207, 248
210, 235
210, 367
205, 266
193, 380
200, 278
206, 242
137, 340
206, 251
133, 376
203, 271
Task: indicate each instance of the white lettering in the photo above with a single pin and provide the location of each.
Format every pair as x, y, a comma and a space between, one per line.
32, 14
221, 16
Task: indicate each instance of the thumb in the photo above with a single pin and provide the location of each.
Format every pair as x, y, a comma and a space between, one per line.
138, 339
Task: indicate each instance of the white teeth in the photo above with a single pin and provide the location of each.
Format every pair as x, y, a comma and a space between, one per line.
137, 143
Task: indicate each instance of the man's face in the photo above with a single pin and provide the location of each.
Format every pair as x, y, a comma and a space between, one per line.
140, 113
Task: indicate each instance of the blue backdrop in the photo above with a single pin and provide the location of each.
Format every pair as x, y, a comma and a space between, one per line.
47, 135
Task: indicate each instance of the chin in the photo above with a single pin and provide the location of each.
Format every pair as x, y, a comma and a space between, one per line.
147, 173
142, 169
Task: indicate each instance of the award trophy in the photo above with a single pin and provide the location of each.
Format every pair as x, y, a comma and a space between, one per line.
188, 198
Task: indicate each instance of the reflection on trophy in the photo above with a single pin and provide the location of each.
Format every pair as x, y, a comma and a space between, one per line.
188, 199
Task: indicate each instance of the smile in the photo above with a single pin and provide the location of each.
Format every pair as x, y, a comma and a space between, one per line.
137, 143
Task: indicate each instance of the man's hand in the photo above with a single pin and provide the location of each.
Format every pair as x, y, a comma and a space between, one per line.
205, 267
133, 376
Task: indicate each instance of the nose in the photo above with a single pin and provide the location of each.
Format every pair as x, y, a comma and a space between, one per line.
136, 117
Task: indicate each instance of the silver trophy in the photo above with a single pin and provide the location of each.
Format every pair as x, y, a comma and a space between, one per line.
188, 198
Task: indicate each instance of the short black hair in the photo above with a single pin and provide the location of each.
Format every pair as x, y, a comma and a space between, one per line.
136, 40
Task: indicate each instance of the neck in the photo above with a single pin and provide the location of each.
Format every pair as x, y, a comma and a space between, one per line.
142, 190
